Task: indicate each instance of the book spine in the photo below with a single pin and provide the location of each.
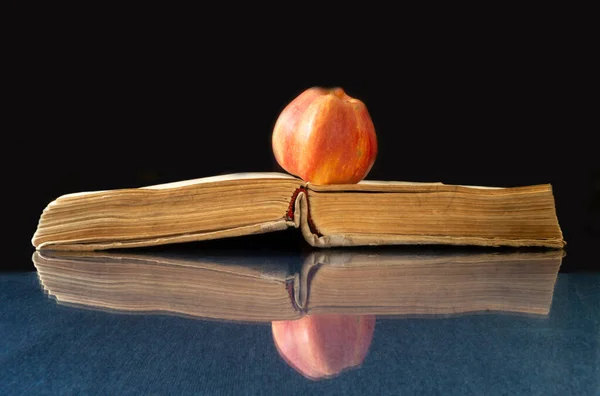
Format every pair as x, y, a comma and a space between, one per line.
293, 209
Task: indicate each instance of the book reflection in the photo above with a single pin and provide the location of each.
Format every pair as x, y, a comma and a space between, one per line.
322, 312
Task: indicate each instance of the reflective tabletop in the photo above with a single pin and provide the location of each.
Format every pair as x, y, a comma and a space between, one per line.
334, 321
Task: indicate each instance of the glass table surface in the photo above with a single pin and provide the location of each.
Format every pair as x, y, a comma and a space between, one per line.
341, 322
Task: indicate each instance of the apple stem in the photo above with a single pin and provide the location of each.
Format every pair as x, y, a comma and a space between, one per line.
339, 92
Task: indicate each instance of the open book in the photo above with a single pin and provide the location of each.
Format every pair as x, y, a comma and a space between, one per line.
367, 213
266, 288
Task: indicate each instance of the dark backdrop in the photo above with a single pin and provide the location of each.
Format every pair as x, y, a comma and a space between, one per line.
110, 112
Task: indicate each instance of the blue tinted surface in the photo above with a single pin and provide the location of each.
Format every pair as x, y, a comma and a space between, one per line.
46, 348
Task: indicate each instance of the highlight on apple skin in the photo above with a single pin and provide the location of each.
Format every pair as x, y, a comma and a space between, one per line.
323, 346
325, 136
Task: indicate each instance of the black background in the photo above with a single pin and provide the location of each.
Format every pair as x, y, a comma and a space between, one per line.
99, 109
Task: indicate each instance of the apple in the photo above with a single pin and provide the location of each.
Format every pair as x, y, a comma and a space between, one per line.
323, 346
325, 136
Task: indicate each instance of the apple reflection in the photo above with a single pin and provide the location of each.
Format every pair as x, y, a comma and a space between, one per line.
324, 345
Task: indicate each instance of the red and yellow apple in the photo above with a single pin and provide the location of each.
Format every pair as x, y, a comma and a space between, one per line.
322, 346
325, 136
